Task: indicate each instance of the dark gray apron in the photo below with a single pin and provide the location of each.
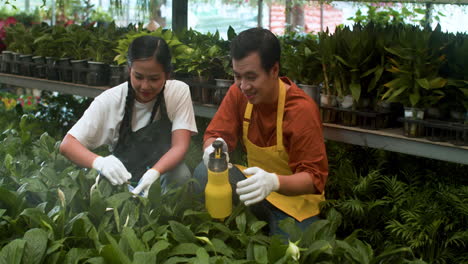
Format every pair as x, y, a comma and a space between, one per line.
140, 150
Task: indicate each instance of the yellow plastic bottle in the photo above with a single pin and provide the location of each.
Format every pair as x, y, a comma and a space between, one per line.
218, 192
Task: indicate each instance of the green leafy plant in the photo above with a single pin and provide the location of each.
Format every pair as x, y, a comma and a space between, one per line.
299, 58
208, 57
415, 69
178, 49
75, 41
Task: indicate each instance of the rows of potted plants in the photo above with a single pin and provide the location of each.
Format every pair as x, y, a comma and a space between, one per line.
66, 53
371, 75
97, 55
366, 76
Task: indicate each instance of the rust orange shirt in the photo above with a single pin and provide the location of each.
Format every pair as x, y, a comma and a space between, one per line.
302, 129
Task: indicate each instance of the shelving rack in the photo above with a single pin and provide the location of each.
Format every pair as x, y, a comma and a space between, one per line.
386, 139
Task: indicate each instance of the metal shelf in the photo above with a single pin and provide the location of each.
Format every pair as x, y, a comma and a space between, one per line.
386, 139
49, 85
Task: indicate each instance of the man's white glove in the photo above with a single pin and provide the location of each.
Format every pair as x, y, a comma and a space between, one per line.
258, 186
146, 181
210, 149
112, 168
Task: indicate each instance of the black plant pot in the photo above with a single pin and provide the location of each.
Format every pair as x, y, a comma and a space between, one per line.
118, 74
15, 63
39, 68
222, 86
51, 68
5, 65
79, 71
26, 64
64, 69
98, 73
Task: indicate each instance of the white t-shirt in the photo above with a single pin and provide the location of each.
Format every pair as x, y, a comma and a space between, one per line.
101, 122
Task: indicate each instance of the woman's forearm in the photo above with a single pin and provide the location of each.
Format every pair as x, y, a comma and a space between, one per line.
76, 152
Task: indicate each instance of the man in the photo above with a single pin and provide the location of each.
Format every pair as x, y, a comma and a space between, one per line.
280, 129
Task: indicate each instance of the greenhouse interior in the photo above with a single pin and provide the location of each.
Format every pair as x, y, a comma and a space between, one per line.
233, 131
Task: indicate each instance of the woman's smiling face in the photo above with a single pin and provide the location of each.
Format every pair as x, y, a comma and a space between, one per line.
147, 77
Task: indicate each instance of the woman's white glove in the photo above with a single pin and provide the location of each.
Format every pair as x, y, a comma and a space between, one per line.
210, 149
258, 186
146, 181
113, 169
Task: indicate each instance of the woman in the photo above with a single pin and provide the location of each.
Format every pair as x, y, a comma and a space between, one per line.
147, 121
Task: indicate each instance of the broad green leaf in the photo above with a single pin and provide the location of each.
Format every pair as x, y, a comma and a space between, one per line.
56, 245
130, 243
112, 253
182, 233
260, 253
424, 83
231, 33
355, 91
465, 91
316, 249
116, 200
202, 256
316, 231
36, 245
414, 98
8, 162
221, 247
12, 253
257, 226
289, 226
276, 250
437, 83
241, 222
95, 260
160, 246
144, 257
340, 59
387, 253
184, 249
176, 259
38, 217
76, 255
147, 236
11, 201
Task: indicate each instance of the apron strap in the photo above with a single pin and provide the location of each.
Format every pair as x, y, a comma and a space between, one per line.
279, 116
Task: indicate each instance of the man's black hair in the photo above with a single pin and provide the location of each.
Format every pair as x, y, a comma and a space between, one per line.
258, 40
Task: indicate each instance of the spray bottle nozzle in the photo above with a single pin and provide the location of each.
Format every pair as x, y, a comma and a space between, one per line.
218, 146
217, 161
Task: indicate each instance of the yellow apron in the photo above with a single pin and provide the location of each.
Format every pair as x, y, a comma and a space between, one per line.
275, 159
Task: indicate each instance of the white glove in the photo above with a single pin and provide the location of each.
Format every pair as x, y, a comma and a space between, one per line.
113, 169
258, 186
210, 149
146, 181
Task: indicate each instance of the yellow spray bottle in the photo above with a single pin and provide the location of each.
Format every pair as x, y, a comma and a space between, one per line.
218, 192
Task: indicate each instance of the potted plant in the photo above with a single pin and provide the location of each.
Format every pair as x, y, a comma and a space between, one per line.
51, 49
223, 75
203, 62
19, 40
76, 40
103, 41
326, 56
299, 62
416, 81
